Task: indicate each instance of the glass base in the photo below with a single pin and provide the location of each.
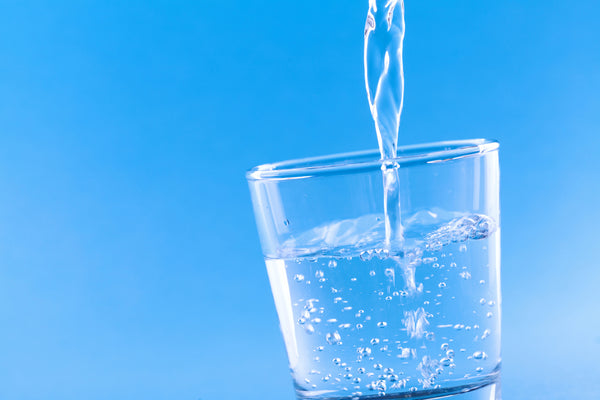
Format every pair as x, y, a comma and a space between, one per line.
486, 391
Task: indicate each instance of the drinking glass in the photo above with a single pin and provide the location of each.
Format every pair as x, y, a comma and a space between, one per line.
364, 317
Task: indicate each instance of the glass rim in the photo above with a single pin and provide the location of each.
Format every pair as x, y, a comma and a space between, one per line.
370, 160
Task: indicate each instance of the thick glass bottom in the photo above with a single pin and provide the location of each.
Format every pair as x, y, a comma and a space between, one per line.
482, 390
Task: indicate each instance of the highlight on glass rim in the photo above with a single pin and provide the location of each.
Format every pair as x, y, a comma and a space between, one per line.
396, 294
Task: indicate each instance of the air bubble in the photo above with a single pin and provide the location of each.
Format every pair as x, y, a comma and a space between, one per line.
364, 351
372, 273
348, 376
442, 285
320, 348
333, 338
309, 329
482, 282
486, 333
326, 378
374, 341
479, 369
465, 275
377, 366
316, 320
446, 362
359, 326
356, 380
489, 315
480, 355
378, 385
298, 277
482, 301
389, 370
491, 303
450, 353
382, 324
459, 327
452, 265
444, 346
319, 274
388, 298
337, 361
332, 264
430, 336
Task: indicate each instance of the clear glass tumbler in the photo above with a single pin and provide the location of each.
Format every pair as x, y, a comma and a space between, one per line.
360, 317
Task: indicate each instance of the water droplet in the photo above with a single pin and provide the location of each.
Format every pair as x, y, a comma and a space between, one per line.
298, 277
479, 355
442, 285
377, 366
482, 301
332, 264
372, 273
382, 324
333, 338
319, 274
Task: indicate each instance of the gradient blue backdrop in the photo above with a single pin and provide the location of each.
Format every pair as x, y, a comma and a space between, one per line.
130, 266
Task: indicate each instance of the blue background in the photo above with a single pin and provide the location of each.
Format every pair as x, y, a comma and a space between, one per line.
130, 266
